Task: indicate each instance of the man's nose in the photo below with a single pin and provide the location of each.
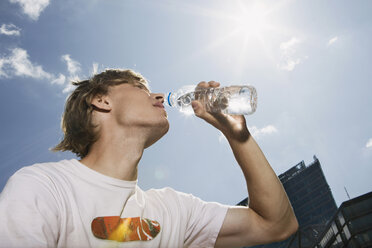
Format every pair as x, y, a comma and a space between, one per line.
159, 97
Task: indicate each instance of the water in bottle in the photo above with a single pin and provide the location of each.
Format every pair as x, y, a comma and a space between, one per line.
234, 100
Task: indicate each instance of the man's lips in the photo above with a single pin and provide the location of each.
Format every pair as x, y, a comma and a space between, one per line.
159, 104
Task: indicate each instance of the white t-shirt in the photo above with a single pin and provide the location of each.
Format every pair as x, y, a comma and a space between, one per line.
67, 204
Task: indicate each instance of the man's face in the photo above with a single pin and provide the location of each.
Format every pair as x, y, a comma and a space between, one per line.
134, 106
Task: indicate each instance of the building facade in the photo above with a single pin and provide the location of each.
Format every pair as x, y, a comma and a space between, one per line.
351, 226
312, 202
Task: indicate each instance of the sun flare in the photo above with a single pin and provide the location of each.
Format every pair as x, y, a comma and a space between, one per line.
240, 31
252, 19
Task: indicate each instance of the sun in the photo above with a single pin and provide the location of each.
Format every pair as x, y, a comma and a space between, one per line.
240, 30
252, 19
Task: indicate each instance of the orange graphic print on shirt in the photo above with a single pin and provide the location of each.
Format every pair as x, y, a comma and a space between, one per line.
125, 229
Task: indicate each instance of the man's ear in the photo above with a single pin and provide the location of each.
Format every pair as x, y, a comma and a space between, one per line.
101, 103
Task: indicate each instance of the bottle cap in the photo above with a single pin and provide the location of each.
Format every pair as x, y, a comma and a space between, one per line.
168, 100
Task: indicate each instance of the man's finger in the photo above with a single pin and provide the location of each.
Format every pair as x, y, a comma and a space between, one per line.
200, 111
213, 84
202, 84
203, 114
198, 108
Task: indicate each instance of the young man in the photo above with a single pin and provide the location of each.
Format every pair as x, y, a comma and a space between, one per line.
108, 122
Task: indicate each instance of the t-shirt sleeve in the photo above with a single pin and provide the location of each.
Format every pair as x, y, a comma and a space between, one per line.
204, 221
28, 214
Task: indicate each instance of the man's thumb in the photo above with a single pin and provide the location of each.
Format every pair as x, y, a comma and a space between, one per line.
198, 108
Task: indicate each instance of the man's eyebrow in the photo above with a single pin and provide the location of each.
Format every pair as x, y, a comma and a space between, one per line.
142, 86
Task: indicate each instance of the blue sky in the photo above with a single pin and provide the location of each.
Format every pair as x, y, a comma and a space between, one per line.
309, 61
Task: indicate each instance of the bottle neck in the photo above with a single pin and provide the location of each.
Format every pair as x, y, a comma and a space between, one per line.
167, 99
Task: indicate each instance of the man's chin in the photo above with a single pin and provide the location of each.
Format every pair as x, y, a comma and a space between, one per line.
160, 132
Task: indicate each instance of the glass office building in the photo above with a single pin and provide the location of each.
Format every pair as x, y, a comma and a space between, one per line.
351, 226
312, 201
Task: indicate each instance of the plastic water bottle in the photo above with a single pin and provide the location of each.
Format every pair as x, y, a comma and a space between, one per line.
234, 100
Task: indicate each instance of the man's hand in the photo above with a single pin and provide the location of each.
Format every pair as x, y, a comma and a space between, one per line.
232, 126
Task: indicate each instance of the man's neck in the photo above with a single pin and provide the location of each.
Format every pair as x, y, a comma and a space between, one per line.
116, 157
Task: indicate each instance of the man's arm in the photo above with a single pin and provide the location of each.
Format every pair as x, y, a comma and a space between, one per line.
269, 217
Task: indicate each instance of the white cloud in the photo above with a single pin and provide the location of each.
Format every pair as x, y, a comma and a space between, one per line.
332, 41
24, 67
289, 45
369, 143
289, 59
258, 132
95, 68
32, 8
289, 64
73, 66
69, 87
18, 64
10, 29
60, 80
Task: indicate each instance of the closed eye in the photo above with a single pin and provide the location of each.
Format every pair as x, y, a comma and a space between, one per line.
143, 87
